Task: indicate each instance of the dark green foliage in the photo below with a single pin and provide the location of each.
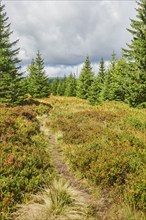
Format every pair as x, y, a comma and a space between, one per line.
101, 72
85, 80
137, 48
119, 82
95, 94
95, 90
136, 90
58, 86
61, 86
11, 91
54, 85
113, 61
107, 87
70, 86
64, 81
136, 55
38, 83
142, 105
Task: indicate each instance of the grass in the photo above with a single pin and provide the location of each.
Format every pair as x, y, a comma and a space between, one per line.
106, 144
25, 163
59, 202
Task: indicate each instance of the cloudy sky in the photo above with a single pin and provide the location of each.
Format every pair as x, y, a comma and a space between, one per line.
66, 32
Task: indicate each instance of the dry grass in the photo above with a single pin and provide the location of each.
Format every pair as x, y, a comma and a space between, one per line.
59, 202
124, 212
106, 145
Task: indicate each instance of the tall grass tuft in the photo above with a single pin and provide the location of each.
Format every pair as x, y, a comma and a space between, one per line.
59, 202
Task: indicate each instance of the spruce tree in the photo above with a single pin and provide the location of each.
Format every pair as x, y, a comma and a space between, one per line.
105, 93
85, 80
136, 56
113, 61
102, 71
137, 48
54, 86
119, 82
64, 81
106, 86
94, 94
97, 85
11, 92
60, 88
38, 83
70, 86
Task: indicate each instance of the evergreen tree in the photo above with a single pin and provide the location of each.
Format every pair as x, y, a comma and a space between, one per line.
105, 93
136, 56
85, 80
97, 85
63, 86
106, 86
137, 48
11, 91
119, 81
102, 71
94, 94
60, 88
54, 86
113, 61
70, 86
38, 83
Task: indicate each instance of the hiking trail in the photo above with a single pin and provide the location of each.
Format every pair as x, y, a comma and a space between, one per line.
99, 206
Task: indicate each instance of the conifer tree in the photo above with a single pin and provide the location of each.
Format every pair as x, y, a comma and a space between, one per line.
136, 56
113, 61
94, 94
102, 71
11, 91
60, 88
137, 48
119, 82
85, 80
97, 85
38, 83
70, 86
106, 86
64, 83
105, 93
54, 86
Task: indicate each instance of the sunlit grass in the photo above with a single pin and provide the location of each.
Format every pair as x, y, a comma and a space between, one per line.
105, 144
59, 202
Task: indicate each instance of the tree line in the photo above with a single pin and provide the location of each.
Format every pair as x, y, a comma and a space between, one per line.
123, 80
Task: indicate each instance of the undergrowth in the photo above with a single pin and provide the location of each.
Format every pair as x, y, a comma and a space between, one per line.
59, 202
106, 144
25, 163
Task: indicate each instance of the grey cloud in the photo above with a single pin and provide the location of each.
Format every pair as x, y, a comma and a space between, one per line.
67, 31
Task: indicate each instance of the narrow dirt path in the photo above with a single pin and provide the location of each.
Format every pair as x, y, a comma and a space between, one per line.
99, 206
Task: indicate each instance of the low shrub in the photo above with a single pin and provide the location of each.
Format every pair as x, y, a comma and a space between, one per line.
25, 162
106, 144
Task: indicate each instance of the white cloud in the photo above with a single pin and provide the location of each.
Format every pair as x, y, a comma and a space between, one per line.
67, 31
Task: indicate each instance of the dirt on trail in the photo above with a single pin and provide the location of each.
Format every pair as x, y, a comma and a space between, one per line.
99, 206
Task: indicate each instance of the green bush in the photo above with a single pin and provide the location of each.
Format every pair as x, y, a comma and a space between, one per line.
25, 162
106, 144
